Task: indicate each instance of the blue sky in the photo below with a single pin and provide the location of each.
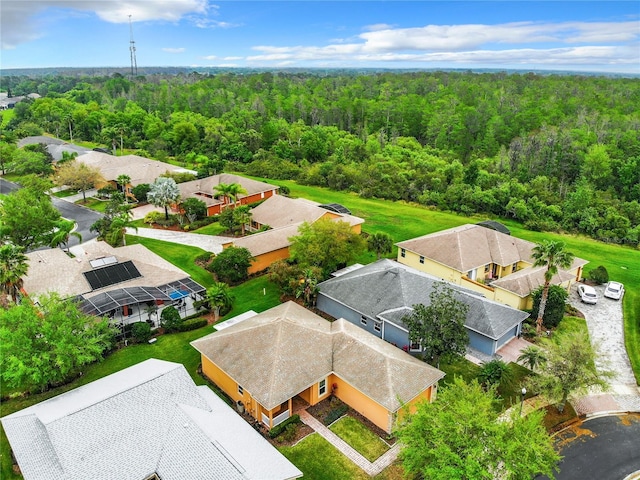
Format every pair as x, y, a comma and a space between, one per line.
576, 35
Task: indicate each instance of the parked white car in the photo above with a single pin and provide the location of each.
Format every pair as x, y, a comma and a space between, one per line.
614, 290
588, 294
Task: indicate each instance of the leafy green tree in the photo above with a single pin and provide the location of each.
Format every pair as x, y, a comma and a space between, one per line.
123, 180
28, 218
48, 344
163, 193
219, 298
13, 267
228, 220
78, 176
140, 192
114, 209
194, 209
380, 243
117, 233
64, 231
170, 319
569, 369
308, 286
459, 437
556, 303
439, 327
141, 331
286, 275
532, 357
231, 265
326, 244
552, 255
229, 191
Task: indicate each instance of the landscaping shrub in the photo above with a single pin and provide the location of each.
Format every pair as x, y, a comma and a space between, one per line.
140, 192
494, 372
335, 414
204, 257
230, 265
278, 429
203, 222
141, 331
152, 217
556, 301
599, 275
194, 324
170, 319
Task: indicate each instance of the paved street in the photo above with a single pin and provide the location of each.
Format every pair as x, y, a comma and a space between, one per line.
83, 217
602, 448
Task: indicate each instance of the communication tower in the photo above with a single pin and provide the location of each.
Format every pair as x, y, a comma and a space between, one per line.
132, 50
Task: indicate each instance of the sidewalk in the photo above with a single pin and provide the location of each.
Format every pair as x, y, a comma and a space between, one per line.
370, 468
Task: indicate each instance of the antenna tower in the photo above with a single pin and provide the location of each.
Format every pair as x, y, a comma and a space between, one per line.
132, 49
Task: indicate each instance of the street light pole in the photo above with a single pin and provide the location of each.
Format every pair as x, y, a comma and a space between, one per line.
522, 394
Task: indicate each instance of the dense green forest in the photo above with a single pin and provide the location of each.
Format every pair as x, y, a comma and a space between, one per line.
559, 153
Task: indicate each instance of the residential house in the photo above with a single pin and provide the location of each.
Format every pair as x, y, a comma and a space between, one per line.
148, 421
126, 283
203, 189
377, 296
495, 264
139, 169
283, 216
289, 354
54, 146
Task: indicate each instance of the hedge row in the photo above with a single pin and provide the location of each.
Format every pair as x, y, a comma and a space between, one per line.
278, 429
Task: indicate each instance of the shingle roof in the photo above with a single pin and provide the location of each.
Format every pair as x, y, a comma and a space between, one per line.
196, 188
523, 282
149, 418
267, 241
277, 354
279, 211
470, 246
387, 290
139, 169
53, 270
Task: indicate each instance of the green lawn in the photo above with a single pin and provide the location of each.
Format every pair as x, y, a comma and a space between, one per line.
182, 256
65, 193
94, 204
6, 117
319, 460
212, 229
359, 437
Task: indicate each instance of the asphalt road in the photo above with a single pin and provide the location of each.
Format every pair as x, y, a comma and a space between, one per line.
603, 448
83, 217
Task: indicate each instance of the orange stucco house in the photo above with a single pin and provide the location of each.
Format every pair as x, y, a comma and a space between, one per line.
283, 216
287, 354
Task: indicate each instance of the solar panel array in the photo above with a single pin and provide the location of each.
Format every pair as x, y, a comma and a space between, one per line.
112, 274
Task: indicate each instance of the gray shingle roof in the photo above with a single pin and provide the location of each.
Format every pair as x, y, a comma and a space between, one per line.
277, 354
149, 418
525, 281
387, 289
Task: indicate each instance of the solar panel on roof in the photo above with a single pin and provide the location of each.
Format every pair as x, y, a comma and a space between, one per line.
112, 274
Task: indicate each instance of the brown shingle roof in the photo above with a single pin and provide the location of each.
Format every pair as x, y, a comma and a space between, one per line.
139, 169
196, 188
267, 241
279, 353
470, 246
523, 282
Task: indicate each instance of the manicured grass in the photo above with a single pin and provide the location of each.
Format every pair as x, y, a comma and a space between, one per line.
65, 193
461, 367
319, 460
212, 229
363, 440
570, 325
94, 204
258, 294
182, 256
6, 117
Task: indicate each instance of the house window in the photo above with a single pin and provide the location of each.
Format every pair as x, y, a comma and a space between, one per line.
514, 267
487, 267
322, 387
403, 252
240, 390
363, 320
261, 194
421, 259
377, 326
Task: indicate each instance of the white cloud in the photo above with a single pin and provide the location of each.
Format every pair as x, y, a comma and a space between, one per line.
563, 43
19, 24
174, 50
210, 57
230, 59
377, 27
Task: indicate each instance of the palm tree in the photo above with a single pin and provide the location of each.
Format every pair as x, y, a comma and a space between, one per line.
223, 189
380, 243
242, 215
236, 189
64, 230
552, 255
219, 296
229, 191
124, 180
532, 356
308, 286
13, 266
117, 233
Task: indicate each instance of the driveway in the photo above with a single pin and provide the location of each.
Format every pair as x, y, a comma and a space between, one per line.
605, 324
210, 243
83, 217
603, 448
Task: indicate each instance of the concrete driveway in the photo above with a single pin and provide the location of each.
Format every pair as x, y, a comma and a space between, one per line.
603, 448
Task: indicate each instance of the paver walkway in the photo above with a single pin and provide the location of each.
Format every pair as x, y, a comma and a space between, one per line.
347, 450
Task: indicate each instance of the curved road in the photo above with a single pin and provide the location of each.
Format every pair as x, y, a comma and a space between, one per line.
603, 448
84, 217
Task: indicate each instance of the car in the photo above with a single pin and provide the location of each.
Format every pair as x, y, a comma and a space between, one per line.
588, 294
614, 290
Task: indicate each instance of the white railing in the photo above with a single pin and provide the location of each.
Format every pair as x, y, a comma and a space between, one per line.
280, 418
265, 420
